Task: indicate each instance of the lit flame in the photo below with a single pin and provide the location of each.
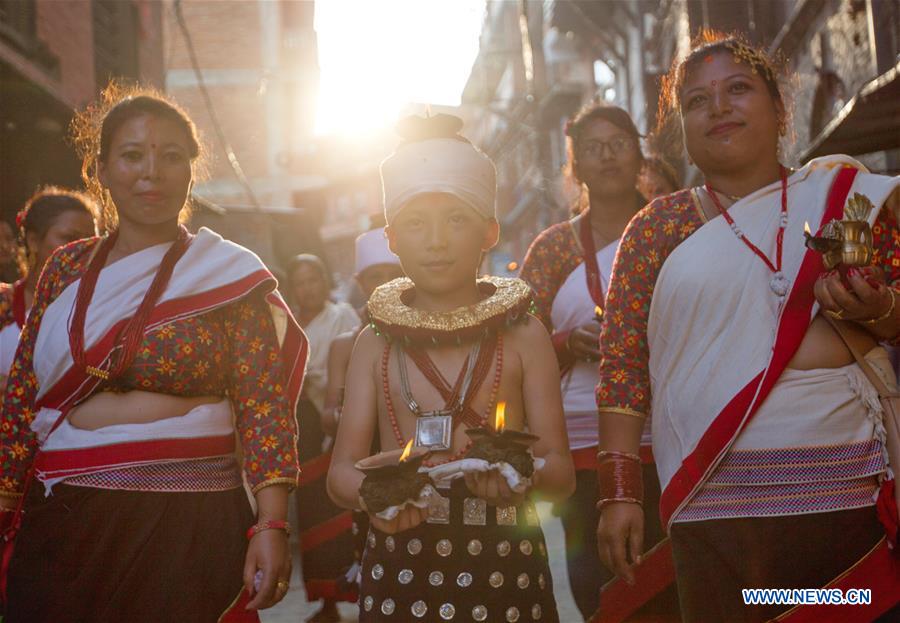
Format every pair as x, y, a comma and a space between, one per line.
598, 311
500, 418
806, 229
406, 451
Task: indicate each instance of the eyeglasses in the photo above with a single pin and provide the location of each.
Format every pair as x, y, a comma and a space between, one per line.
618, 145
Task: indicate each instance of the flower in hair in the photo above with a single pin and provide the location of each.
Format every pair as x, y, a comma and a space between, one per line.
20, 217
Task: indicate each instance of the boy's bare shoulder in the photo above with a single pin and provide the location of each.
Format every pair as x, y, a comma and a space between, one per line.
368, 343
529, 332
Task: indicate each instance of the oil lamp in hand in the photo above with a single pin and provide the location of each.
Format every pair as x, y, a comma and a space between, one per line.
392, 478
846, 243
497, 444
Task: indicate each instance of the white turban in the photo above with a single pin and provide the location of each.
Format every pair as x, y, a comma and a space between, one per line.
372, 249
439, 165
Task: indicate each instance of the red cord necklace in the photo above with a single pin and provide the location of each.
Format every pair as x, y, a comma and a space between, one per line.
130, 338
779, 283
392, 415
591, 267
452, 395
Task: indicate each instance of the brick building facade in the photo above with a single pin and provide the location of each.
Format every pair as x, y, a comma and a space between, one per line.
259, 64
55, 56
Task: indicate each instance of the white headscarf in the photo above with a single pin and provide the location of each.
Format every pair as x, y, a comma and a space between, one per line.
372, 249
439, 165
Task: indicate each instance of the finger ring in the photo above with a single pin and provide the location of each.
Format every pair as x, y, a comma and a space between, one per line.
837, 315
282, 585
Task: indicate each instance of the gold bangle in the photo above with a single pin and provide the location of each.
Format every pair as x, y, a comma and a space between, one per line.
888, 313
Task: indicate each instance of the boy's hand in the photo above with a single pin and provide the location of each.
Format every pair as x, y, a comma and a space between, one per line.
409, 517
491, 487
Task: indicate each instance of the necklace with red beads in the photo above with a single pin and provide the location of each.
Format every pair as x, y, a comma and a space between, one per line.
779, 284
129, 340
440, 384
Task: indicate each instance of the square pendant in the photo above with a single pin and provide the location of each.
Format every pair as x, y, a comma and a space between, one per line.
506, 515
474, 512
438, 509
434, 430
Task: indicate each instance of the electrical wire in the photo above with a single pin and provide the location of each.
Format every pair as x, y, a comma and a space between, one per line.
220, 134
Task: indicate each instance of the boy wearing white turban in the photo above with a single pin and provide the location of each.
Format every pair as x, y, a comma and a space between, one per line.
444, 348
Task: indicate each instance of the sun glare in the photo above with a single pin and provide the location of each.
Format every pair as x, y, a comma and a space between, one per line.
377, 56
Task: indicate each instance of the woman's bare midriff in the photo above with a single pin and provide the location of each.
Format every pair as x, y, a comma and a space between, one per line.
134, 407
822, 347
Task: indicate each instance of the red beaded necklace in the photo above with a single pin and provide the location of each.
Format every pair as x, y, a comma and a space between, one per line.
129, 340
389, 403
778, 283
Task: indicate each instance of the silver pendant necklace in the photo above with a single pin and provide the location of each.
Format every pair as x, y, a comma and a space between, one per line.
434, 429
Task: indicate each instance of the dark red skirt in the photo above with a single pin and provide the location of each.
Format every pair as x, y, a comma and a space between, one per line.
483, 564
98, 555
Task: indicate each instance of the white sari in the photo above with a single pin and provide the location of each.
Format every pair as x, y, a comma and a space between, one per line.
212, 273
720, 338
573, 307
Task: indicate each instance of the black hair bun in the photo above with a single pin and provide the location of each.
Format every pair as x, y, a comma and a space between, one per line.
414, 128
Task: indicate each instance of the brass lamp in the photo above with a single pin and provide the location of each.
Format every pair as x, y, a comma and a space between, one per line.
847, 242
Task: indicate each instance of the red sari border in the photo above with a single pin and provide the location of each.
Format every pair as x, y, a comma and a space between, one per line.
878, 570
792, 327
237, 612
325, 531
66, 463
655, 573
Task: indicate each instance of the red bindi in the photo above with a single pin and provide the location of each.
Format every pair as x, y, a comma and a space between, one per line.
708, 59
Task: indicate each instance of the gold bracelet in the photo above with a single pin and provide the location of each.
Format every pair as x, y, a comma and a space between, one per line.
888, 313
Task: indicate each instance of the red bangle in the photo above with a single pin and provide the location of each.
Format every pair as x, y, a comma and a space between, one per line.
269, 525
619, 478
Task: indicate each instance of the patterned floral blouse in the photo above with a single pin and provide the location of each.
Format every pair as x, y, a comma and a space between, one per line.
552, 257
229, 351
648, 240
